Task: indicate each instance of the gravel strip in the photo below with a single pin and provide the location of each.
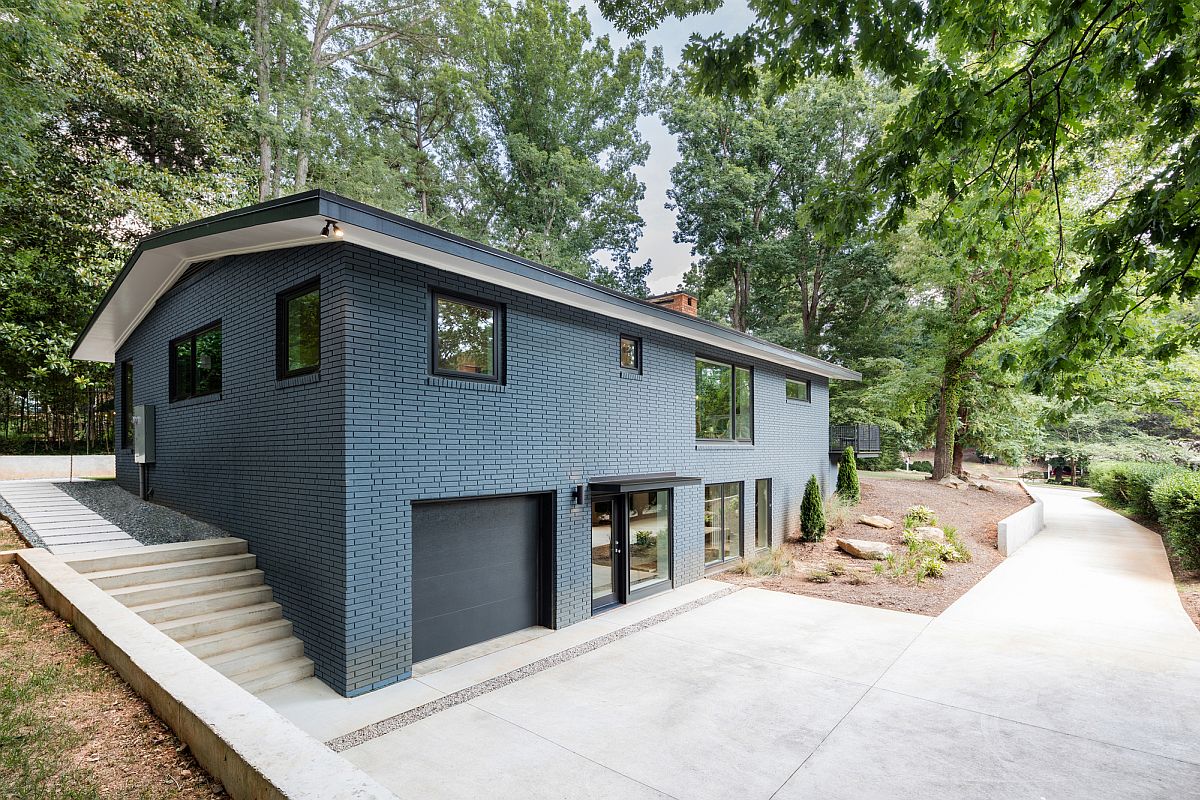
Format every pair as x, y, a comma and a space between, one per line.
23, 528
149, 523
386, 726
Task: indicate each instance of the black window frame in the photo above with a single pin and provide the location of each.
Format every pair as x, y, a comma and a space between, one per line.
733, 415
127, 404
807, 390
171, 381
741, 505
637, 351
281, 329
499, 337
758, 482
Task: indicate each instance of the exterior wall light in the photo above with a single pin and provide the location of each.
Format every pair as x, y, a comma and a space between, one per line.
577, 495
332, 229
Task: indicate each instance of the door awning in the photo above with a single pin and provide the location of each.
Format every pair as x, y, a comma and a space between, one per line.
620, 484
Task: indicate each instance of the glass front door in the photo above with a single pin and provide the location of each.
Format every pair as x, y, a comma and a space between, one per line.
631, 546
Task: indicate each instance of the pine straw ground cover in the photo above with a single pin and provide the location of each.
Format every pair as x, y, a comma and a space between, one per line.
972, 512
70, 728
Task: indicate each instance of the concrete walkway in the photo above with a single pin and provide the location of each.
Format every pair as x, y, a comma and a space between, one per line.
64, 525
1071, 671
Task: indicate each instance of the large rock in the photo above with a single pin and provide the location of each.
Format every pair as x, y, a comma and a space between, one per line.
861, 548
928, 533
876, 521
953, 481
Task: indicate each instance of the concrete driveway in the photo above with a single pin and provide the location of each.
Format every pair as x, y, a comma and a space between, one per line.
1071, 671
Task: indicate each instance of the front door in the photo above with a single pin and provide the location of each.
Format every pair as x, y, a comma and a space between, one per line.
631, 546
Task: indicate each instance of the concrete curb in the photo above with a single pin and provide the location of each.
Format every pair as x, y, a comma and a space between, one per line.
241, 741
1017, 529
8, 556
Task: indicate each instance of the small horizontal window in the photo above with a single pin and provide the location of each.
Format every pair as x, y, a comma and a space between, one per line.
298, 331
798, 390
467, 338
631, 353
196, 363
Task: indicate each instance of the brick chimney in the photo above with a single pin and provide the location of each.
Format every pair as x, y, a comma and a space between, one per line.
683, 302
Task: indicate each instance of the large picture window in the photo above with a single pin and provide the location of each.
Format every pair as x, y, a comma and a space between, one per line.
126, 404
196, 363
467, 340
724, 401
298, 330
722, 522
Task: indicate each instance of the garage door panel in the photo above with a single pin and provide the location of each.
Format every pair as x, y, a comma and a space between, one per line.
475, 571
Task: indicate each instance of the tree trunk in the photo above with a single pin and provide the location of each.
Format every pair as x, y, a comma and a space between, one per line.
262, 22
947, 418
741, 295
958, 440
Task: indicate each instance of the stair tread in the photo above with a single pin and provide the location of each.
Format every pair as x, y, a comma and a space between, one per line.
247, 629
214, 615
198, 580
281, 643
270, 669
199, 598
114, 573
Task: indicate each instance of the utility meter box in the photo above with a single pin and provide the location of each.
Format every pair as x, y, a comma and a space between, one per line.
143, 434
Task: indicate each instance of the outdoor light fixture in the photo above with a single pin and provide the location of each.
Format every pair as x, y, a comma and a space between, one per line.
332, 229
577, 495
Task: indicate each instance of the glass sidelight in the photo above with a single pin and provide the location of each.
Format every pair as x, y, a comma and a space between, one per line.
631, 545
722, 522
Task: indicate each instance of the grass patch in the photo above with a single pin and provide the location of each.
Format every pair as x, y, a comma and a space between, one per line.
767, 564
819, 576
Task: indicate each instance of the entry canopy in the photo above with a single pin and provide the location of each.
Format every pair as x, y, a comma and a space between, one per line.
320, 218
622, 484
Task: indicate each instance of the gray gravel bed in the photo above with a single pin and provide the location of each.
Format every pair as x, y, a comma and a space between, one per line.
385, 726
18, 522
149, 523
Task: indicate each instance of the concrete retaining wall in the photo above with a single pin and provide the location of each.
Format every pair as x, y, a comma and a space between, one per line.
1017, 529
14, 468
241, 741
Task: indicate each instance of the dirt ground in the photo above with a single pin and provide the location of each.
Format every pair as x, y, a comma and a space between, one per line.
9, 538
974, 513
69, 726
1186, 581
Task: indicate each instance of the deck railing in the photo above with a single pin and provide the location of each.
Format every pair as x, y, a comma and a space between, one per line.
863, 438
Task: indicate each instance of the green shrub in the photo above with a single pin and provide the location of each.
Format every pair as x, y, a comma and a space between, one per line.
916, 516
922, 466
812, 512
1140, 480
1110, 479
847, 479
819, 576
1177, 501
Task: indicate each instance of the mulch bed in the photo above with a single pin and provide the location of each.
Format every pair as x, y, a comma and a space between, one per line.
974, 513
69, 726
9, 538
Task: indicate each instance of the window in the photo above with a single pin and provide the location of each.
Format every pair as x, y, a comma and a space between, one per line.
724, 401
631, 353
126, 404
762, 513
798, 390
298, 330
196, 363
467, 338
722, 522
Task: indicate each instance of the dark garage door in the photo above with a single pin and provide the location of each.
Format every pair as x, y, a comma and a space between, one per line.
475, 571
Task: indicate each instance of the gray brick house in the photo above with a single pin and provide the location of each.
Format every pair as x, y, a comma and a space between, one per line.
429, 443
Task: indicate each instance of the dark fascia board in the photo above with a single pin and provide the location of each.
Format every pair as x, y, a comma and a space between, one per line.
291, 207
355, 213
623, 484
319, 202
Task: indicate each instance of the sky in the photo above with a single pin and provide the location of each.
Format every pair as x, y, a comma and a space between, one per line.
670, 260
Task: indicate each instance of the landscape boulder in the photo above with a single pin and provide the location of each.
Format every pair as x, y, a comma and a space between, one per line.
928, 533
876, 521
953, 482
861, 548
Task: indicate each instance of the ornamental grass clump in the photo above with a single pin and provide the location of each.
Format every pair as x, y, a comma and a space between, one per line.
847, 478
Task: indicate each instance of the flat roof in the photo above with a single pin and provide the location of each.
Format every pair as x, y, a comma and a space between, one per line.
161, 258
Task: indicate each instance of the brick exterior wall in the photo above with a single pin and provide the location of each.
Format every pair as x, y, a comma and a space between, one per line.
377, 432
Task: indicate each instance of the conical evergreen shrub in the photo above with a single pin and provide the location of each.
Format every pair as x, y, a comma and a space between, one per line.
812, 513
847, 481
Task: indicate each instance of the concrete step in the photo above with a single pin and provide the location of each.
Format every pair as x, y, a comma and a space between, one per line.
260, 656
204, 647
202, 604
172, 571
201, 625
186, 588
158, 554
276, 675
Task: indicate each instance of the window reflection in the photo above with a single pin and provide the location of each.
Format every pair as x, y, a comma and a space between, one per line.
649, 537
